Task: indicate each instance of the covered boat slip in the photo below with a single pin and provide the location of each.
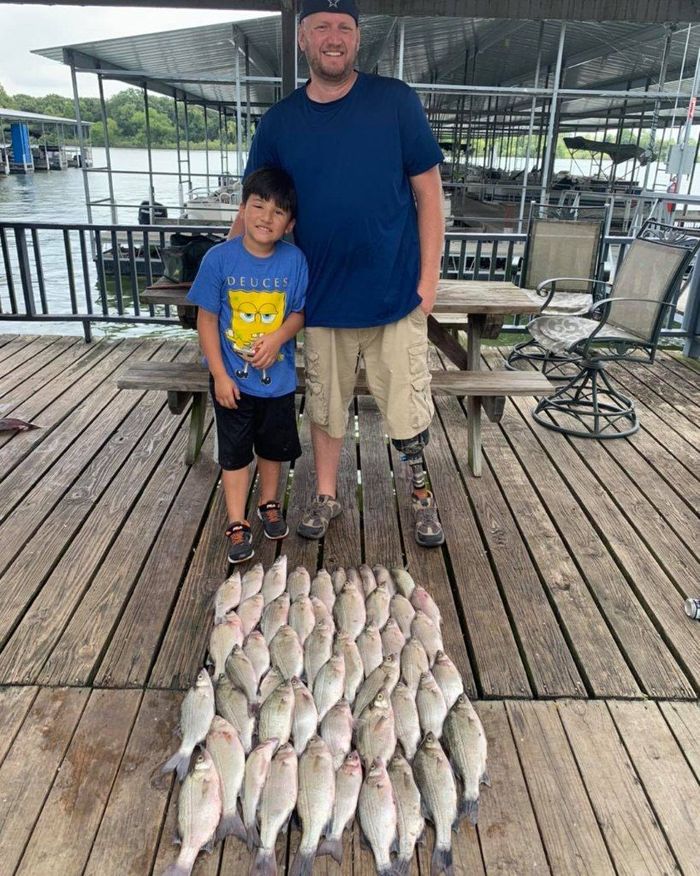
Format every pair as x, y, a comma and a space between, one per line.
561, 587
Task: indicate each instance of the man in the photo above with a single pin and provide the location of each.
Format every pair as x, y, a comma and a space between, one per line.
365, 166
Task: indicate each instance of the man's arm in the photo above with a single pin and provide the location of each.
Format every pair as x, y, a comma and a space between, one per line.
236, 228
427, 189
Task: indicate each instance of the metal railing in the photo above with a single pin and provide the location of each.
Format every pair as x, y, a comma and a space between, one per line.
92, 273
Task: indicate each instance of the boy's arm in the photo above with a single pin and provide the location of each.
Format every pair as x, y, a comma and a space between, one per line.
267, 349
225, 388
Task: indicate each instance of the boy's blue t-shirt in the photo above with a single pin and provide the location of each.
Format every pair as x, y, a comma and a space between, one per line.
356, 222
252, 296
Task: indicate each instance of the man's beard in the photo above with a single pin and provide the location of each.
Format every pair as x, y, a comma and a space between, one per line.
333, 75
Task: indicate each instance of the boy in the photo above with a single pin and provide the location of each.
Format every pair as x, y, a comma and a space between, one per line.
251, 292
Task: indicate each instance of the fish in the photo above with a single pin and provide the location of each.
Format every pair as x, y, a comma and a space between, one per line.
414, 662
226, 750
377, 606
385, 675
251, 582
196, 715
410, 823
403, 613
354, 578
301, 617
276, 715
314, 802
271, 680
336, 731
354, 671
421, 600
275, 579
232, 704
466, 741
329, 684
448, 677
322, 588
305, 720
257, 769
348, 781
438, 791
393, 639
198, 813
222, 639
383, 575
424, 629
279, 796
406, 719
286, 652
250, 612
257, 652
227, 597
369, 643
274, 616
431, 705
321, 611
240, 670
376, 731
369, 582
318, 649
339, 579
298, 583
405, 584
349, 610
377, 811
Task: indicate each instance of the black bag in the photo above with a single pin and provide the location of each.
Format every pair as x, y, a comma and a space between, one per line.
182, 258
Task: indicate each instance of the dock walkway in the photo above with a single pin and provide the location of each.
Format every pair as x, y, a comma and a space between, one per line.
561, 587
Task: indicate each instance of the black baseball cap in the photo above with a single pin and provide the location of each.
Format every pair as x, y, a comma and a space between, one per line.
343, 7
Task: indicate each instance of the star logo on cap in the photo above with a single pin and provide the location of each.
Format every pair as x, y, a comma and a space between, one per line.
333, 4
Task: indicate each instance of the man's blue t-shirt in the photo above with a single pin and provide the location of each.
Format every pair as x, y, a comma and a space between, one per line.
356, 222
252, 297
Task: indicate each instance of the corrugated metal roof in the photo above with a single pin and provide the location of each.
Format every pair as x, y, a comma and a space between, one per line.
12, 115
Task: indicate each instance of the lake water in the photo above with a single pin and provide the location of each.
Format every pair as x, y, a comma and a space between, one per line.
59, 196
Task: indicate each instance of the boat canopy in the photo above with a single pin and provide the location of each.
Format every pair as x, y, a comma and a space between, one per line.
617, 152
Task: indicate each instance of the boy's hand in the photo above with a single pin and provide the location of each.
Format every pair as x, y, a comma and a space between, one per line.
226, 391
266, 351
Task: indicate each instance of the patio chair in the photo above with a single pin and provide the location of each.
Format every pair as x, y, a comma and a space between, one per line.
625, 326
561, 251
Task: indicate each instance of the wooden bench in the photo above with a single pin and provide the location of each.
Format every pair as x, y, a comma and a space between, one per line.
183, 381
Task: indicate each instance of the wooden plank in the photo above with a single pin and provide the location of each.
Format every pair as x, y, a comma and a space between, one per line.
126, 842
30, 767
134, 644
669, 782
22, 359
16, 343
45, 364
567, 823
551, 667
481, 297
117, 542
508, 833
69, 820
684, 721
679, 365
674, 392
15, 702
633, 836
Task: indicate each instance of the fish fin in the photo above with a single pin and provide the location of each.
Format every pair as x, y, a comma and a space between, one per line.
302, 865
470, 809
441, 862
332, 847
264, 864
252, 835
12, 424
485, 780
231, 825
179, 762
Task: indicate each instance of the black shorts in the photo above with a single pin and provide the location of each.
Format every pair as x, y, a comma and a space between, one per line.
267, 426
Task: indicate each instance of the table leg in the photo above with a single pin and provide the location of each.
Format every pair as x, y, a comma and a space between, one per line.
447, 344
196, 433
474, 333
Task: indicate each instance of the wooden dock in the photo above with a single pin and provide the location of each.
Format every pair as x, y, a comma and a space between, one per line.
561, 586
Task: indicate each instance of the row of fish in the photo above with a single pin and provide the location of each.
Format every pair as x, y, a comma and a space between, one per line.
331, 696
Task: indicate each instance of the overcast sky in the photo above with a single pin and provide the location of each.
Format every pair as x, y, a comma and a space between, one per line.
39, 27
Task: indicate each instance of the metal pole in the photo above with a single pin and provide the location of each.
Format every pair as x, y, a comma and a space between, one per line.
289, 47
206, 146
402, 43
108, 154
655, 115
81, 140
550, 151
180, 192
239, 133
531, 125
151, 190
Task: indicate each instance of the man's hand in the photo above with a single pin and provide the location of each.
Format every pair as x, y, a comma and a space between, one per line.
265, 351
226, 391
427, 302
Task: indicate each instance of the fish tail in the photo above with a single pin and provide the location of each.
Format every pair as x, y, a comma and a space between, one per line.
332, 847
470, 809
264, 863
252, 836
402, 867
303, 864
231, 825
180, 762
177, 870
441, 862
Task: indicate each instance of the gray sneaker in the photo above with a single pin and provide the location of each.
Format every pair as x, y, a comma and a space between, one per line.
428, 530
315, 520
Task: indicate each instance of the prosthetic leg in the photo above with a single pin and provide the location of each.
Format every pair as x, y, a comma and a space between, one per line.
428, 531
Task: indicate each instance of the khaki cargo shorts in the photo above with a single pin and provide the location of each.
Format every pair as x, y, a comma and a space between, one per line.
396, 362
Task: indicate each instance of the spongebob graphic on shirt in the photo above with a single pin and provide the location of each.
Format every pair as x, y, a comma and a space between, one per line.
253, 315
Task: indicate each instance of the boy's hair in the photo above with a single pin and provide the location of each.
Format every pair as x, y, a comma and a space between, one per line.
272, 184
